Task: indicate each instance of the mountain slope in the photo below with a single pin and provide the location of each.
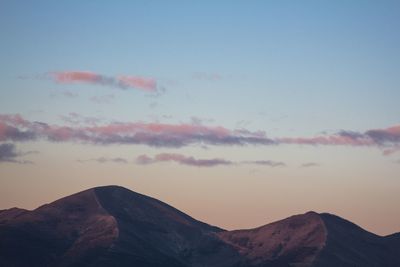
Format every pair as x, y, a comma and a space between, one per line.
350, 245
108, 226
292, 241
312, 239
113, 226
153, 233
74, 227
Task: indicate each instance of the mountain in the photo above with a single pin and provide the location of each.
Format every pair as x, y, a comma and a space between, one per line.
109, 226
113, 226
312, 239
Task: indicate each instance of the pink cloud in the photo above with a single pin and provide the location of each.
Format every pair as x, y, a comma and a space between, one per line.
121, 82
16, 128
76, 76
395, 130
145, 84
13, 119
152, 134
328, 140
390, 151
144, 159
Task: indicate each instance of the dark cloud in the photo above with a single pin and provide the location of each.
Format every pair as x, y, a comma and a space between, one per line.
351, 134
8, 153
269, 163
310, 164
181, 159
191, 161
382, 136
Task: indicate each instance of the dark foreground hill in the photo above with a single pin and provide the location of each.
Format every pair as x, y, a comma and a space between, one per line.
113, 226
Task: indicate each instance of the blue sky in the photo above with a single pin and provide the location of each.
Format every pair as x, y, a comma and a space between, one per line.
326, 60
288, 68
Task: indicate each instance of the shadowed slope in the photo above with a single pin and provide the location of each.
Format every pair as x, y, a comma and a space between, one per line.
350, 245
66, 231
10, 214
153, 233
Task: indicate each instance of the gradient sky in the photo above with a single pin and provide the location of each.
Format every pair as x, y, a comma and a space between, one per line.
236, 112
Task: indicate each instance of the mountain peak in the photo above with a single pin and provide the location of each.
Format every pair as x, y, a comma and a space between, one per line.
282, 239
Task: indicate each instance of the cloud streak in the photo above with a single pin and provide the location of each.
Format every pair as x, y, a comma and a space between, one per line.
181, 159
390, 151
16, 128
74, 118
376, 137
269, 163
120, 82
310, 165
103, 99
104, 160
191, 161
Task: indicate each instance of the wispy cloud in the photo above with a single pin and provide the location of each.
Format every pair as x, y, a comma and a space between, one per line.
390, 151
374, 137
121, 82
181, 159
9, 153
310, 165
192, 161
200, 121
102, 99
269, 163
387, 139
138, 82
153, 105
74, 118
66, 93
104, 160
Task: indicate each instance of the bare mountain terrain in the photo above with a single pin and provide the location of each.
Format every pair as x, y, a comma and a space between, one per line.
113, 226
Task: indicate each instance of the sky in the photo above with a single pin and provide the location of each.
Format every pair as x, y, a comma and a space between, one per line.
238, 113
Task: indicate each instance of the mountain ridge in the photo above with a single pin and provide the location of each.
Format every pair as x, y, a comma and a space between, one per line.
114, 226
